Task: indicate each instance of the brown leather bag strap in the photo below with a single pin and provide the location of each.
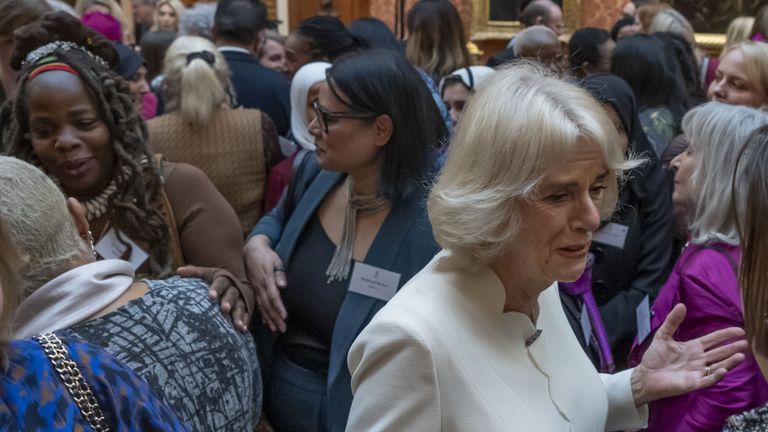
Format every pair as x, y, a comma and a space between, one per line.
167, 211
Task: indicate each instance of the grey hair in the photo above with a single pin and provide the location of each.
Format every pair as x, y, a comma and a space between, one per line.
717, 133
672, 21
35, 213
501, 150
533, 37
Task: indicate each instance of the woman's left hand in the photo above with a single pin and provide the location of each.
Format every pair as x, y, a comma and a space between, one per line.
224, 289
670, 368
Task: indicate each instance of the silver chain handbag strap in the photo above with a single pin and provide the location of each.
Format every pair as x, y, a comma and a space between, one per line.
69, 372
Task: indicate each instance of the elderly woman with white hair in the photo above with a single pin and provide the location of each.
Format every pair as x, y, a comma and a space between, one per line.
234, 147
167, 331
33, 394
478, 339
705, 275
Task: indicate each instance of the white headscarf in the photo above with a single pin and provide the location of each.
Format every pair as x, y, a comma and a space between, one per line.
479, 74
309, 75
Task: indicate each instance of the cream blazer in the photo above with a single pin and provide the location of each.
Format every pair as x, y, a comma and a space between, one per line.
442, 356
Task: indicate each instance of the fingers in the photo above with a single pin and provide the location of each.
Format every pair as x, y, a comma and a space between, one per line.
218, 287
204, 273
719, 370
715, 355
718, 337
231, 295
670, 325
240, 316
271, 306
280, 280
276, 309
261, 263
729, 363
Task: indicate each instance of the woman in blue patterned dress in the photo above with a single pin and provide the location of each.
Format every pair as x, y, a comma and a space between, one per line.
167, 331
34, 397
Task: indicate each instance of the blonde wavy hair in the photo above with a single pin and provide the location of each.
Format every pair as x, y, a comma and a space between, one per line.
517, 125
672, 21
177, 6
195, 88
756, 60
738, 30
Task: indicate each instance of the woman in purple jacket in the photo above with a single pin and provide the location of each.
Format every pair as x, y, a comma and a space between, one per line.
704, 278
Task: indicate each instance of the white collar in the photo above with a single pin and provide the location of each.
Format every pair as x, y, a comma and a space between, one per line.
234, 49
72, 297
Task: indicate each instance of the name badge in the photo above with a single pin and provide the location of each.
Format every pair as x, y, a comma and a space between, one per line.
643, 313
374, 282
613, 234
586, 324
122, 248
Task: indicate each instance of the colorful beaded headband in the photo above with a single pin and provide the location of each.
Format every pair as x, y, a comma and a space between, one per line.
52, 67
48, 49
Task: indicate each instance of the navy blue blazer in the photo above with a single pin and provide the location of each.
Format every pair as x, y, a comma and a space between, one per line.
260, 88
404, 244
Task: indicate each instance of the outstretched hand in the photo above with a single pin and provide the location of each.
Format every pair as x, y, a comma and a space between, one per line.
224, 289
670, 368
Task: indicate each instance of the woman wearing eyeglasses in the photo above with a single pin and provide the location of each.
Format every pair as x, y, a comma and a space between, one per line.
351, 229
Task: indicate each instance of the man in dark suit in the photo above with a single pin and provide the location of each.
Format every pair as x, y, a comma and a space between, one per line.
237, 31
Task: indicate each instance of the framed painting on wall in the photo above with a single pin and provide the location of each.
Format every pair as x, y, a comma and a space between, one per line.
710, 18
498, 19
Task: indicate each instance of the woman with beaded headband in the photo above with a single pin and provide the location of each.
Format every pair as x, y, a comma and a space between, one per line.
73, 118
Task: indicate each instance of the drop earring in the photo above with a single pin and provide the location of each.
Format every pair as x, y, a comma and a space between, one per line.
89, 238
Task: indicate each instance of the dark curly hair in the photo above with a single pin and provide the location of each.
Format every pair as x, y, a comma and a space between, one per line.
134, 206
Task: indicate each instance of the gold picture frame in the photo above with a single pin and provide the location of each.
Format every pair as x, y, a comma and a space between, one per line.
484, 29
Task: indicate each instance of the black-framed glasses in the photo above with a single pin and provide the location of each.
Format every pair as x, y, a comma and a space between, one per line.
323, 116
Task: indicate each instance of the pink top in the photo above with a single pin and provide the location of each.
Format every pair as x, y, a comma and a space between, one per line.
704, 279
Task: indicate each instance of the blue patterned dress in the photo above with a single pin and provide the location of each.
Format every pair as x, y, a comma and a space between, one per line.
177, 340
34, 398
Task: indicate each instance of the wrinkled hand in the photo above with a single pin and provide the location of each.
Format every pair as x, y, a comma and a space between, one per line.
224, 289
260, 265
670, 368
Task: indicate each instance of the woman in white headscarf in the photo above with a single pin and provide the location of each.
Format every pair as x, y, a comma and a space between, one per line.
304, 88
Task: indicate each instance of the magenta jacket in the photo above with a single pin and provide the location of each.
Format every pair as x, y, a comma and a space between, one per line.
704, 279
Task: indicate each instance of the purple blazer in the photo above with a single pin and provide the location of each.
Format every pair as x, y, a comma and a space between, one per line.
704, 279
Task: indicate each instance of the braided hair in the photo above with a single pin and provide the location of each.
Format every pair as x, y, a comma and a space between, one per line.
133, 208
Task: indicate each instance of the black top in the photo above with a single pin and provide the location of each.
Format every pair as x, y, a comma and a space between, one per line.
312, 303
623, 277
260, 88
502, 57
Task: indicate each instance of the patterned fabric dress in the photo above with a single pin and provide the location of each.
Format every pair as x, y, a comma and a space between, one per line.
754, 420
34, 398
190, 354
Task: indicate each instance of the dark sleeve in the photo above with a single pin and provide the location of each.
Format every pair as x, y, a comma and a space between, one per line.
209, 230
654, 263
127, 401
272, 153
272, 223
280, 110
